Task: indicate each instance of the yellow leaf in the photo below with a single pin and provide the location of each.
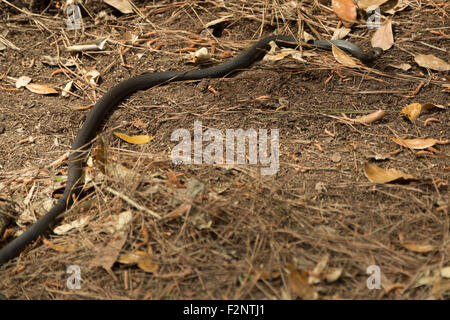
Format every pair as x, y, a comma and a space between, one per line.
412, 111
40, 88
141, 139
379, 175
417, 144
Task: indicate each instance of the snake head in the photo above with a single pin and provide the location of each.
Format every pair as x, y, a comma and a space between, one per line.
376, 51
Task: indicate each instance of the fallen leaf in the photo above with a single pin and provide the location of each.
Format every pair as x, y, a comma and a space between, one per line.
400, 6
380, 175
140, 139
383, 37
60, 247
106, 256
340, 33
369, 118
418, 247
417, 144
22, 81
123, 6
298, 284
40, 88
343, 58
431, 62
365, 4
412, 111
76, 224
141, 258
402, 66
346, 10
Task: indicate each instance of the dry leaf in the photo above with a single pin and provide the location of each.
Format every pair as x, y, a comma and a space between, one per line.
412, 111
417, 144
123, 6
365, 4
140, 139
369, 118
76, 224
383, 37
106, 256
418, 247
67, 88
346, 10
22, 81
179, 211
431, 62
141, 258
342, 57
340, 33
380, 175
40, 88
298, 284
401, 5
60, 247
402, 66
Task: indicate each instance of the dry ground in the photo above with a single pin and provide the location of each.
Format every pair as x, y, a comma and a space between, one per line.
243, 235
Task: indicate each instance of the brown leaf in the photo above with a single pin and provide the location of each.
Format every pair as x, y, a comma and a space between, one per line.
298, 284
379, 175
417, 144
40, 88
431, 62
141, 258
383, 37
60, 247
344, 59
106, 256
346, 10
416, 247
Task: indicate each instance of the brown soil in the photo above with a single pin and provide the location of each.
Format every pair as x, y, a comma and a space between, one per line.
246, 236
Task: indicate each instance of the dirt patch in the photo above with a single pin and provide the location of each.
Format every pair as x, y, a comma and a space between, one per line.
240, 235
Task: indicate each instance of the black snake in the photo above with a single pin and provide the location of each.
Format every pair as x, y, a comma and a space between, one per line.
145, 81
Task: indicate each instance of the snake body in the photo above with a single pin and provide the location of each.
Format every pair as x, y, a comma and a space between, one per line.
142, 82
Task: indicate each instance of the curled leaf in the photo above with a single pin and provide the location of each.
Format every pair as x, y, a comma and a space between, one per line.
412, 111
380, 175
140, 139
